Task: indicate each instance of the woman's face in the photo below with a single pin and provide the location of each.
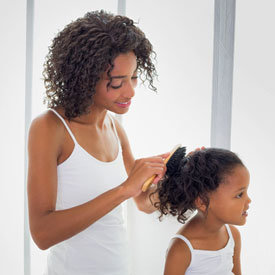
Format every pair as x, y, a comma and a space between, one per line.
117, 96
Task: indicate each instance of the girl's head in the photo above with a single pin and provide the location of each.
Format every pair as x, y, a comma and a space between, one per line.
211, 180
83, 51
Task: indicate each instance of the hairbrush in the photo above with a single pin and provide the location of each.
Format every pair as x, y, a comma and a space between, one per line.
176, 151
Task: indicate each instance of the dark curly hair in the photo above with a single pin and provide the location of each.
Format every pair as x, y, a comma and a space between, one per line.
86, 48
191, 177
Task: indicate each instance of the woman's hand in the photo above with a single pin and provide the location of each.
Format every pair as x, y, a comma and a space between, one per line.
197, 149
142, 170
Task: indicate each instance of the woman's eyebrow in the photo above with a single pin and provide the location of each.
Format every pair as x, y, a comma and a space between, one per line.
119, 76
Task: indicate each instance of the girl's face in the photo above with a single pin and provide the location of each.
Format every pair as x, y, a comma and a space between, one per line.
230, 202
117, 97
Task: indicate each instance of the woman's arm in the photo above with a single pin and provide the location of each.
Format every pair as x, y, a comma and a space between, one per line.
237, 250
142, 199
178, 258
49, 226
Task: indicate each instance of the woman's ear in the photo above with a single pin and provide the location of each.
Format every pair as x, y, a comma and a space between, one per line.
200, 205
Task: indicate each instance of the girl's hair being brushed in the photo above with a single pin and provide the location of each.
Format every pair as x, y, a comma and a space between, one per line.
191, 177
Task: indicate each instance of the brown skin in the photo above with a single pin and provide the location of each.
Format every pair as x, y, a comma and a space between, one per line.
206, 230
179, 256
50, 144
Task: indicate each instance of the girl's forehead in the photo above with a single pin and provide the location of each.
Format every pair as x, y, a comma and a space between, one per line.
237, 179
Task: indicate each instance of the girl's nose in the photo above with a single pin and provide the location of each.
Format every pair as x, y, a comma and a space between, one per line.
248, 200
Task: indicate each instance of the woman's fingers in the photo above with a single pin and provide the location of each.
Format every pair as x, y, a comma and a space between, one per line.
165, 155
144, 169
197, 149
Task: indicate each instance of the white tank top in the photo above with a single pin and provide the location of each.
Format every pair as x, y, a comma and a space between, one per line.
101, 249
208, 262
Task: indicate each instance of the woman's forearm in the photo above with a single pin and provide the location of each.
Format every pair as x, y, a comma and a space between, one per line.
145, 201
56, 226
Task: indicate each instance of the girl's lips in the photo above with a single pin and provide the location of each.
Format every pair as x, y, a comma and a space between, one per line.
123, 104
245, 213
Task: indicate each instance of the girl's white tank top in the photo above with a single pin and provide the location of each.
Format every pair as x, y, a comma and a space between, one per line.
208, 262
101, 249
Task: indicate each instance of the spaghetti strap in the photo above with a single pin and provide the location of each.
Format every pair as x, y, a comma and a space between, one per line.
114, 126
229, 231
65, 124
185, 240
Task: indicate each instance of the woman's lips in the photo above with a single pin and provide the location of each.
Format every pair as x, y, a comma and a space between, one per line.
124, 104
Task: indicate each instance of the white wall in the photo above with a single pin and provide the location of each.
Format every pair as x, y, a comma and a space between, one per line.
12, 79
182, 35
253, 127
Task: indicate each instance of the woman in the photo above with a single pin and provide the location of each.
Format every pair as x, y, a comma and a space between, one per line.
78, 152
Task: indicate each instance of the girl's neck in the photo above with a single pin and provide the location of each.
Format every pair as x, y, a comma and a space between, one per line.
205, 233
202, 225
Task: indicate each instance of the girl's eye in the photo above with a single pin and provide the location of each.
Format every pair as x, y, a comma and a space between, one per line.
239, 195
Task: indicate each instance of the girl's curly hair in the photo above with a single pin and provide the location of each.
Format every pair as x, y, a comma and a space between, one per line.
86, 48
194, 176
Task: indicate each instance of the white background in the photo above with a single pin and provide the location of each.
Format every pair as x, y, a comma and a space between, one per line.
182, 34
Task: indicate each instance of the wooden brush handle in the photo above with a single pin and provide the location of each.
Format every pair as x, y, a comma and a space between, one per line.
149, 181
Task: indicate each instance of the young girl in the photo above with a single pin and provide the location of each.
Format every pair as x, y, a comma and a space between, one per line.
214, 182
78, 152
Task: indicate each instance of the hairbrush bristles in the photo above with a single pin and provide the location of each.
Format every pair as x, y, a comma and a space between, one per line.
173, 162
150, 180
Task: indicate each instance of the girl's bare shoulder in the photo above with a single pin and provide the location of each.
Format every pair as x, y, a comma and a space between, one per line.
178, 257
235, 233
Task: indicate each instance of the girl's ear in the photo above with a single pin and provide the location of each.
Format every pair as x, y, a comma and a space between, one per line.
200, 205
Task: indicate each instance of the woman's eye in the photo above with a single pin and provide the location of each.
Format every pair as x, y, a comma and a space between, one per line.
134, 81
116, 87
116, 83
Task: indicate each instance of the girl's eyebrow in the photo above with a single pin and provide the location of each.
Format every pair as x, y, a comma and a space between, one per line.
241, 189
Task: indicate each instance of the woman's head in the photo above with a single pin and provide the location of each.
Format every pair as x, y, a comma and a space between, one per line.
193, 179
83, 51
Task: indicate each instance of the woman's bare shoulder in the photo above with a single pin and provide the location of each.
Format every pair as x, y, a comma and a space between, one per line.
121, 133
46, 119
46, 129
119, 127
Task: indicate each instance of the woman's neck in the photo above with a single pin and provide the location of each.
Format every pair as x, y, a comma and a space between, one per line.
94, 117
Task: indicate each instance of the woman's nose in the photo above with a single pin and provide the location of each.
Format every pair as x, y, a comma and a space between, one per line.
129, 91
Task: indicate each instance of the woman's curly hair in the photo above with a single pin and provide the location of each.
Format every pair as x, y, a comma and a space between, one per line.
86, 48
192, 177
